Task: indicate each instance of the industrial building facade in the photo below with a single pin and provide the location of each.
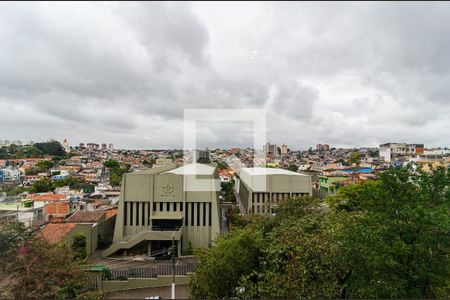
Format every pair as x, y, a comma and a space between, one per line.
261, 189
165, 203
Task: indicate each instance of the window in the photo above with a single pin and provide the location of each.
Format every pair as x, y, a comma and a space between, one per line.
148, 214
181, 206
125, 214
137, 213
160, 206
154, 206
186, 215
131, 213
174, 206
143, 214
192, 214
209, 216
168, 206
204, 214
198, 213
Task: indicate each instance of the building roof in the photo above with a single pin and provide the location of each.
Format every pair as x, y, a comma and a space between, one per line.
54, 233
269, 171
110, 212
48, 197
86, 216
193, 169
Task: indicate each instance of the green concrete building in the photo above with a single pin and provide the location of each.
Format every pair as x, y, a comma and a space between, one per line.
330, 184
261, 189
165, 203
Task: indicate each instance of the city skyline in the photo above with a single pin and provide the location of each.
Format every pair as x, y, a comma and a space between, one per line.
325, 73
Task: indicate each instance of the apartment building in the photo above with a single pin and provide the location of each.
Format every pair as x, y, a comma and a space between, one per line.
269, 148
394, 151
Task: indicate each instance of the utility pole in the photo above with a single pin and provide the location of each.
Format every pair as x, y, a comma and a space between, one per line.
172, 250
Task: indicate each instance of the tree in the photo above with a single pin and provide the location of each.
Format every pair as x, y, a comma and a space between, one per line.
52, 148
35, 269
222, 266
111, 164
115, 171
355, 158
203, 160
71, 181
382, 239
46, 271
228, 192
222, 165
44, 165
374, 153
399, 239
189, 250
12, 235
43, 185
79, 246
293, 168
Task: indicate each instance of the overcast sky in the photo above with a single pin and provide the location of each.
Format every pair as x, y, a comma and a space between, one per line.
346, 74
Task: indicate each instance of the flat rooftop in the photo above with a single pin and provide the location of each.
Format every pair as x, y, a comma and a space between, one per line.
269, 171
193, 169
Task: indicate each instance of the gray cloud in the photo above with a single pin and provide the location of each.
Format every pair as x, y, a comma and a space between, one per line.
348, 74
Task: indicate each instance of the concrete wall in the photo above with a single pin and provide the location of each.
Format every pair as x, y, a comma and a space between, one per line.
272, 186
137, 283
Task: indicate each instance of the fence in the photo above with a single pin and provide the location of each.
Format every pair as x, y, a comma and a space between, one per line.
317, 193
150, 271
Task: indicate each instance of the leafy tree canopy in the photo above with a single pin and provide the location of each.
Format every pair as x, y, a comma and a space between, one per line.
43, 185
293, 168
382, 239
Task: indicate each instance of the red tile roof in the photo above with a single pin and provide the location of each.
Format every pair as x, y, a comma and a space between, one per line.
111, 212
86, 216
54, 233
48, 197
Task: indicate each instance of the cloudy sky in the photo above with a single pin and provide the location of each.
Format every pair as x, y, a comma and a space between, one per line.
346, 74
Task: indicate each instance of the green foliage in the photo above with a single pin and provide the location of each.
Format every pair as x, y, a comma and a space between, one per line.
111, 164
400, 235
44, 165
203, 160
293, 168
87, 187
374, 153
79, 246
43, 185
222, 165
222, 266
116, 171
228, 191
190, 249
12, 235
382, 239
149, 162
236, 219
14, 190
46, 272
52, 148
37, 150
355, 158
71, 181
